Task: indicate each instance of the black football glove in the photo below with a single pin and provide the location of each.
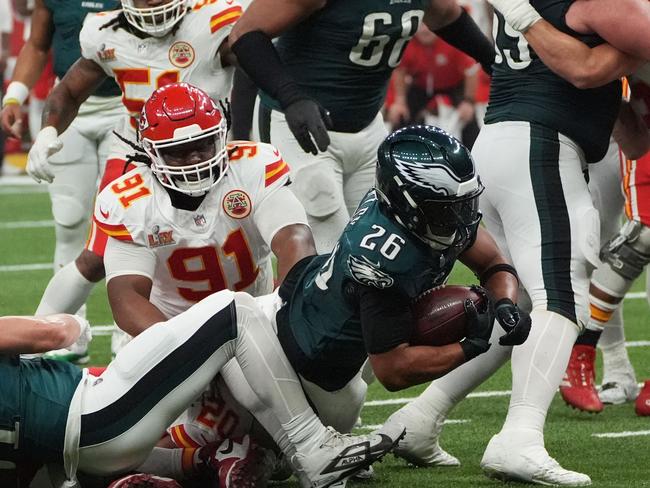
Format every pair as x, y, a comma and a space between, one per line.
479, 328
515, 322
307, 119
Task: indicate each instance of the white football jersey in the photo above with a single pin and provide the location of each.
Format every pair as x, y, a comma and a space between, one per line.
140, 66
197, 253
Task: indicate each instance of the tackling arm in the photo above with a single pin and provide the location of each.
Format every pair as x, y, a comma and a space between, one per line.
129, 269
30, 335
291, 244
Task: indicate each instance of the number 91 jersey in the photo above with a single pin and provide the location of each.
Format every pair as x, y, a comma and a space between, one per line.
188, 255
142, 65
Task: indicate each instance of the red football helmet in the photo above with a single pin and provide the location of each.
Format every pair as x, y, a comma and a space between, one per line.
184, 134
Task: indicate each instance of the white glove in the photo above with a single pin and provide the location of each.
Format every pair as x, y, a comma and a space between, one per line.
47, 143
85, 335
518, 13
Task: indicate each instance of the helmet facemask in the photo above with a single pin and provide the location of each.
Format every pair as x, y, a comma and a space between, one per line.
197, 178
155, 21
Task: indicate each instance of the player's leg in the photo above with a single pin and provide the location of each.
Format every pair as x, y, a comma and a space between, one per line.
317, 181
424, 417
552, 230
624, 257
359, 161
578, 386
158, 374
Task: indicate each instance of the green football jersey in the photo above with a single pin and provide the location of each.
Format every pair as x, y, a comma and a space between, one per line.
68, 17
374, 250
344, 54
36, 395
524, 89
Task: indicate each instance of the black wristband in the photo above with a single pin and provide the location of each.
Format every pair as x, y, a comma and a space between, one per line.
502, 301
487, 274
473, 347
259, 59
464, 34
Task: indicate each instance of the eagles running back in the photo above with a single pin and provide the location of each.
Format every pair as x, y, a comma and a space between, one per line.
323, 312
196, 253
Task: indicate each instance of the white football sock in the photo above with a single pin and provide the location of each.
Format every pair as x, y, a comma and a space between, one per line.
272, 378
442, 394
66, 292
538, 366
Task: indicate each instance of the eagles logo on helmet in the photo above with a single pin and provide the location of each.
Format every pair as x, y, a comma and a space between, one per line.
184, 134
427, 181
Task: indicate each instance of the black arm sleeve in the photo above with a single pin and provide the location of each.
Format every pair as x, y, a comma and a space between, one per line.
386, 318
257, 56
464, 34
242, 103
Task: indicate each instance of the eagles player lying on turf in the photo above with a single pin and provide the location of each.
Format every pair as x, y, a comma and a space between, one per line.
404, 239
51, 412
143, 46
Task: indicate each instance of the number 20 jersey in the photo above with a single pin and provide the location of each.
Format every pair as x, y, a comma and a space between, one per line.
217, 246
142, 65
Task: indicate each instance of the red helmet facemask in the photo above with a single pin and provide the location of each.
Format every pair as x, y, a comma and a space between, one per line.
184, 134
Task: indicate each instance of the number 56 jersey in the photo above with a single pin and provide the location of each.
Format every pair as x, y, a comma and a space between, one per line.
188, 255
140, 65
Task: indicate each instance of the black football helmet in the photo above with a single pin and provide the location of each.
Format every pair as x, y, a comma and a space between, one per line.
427, 181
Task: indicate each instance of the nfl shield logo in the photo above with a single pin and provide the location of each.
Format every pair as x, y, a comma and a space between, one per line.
199, 220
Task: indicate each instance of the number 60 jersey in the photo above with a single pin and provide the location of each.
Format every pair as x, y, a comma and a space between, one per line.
224, 243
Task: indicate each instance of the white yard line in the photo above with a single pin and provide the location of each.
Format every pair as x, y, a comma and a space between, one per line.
26, 224
447, 422
627, 433
13, 268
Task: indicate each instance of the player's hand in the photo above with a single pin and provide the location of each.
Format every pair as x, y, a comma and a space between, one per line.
479, 329
46, 144
515, 322
398, 112
307, 120
85, 334
12, 120
520, 14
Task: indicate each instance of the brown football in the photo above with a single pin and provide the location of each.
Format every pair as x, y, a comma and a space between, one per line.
439, 315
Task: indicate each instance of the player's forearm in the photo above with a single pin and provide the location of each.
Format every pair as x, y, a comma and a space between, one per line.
133, 313
407, 366
399, 85
29, 335
597, 66
30, 64
60, 109
470, 84
290, 245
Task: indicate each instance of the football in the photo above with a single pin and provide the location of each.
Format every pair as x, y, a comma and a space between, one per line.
439, 315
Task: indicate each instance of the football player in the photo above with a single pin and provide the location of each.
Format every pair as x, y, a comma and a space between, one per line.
88, 139
404, 239
52, 412
145, 45
543, 145
202, 216
330, 71
615, 276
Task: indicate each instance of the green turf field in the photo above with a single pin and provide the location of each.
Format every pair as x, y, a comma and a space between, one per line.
26, 239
